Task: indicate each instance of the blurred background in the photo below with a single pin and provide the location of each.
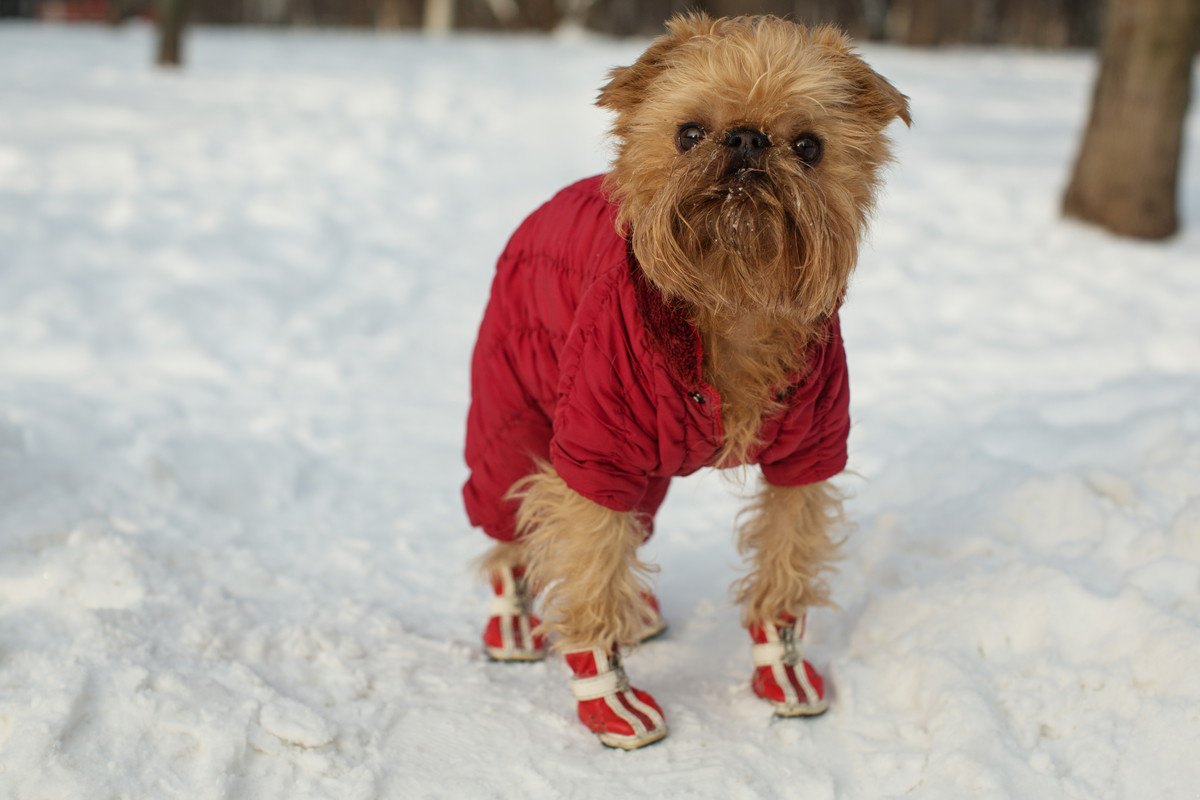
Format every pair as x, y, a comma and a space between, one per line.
1032, 23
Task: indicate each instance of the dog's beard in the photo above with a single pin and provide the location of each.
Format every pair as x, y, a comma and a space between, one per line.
742, 217
746, 243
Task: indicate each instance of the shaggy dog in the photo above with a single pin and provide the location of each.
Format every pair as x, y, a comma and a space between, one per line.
679, 312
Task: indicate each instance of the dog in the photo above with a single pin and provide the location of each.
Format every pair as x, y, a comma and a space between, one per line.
679, 312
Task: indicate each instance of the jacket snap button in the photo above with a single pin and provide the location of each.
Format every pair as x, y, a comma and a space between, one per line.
699, 398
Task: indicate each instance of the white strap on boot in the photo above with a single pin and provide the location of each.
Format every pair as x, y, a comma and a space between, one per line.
513, 607
598, 686
781, 647
603, 684
612, 687
783, 651
507, 605
771, 653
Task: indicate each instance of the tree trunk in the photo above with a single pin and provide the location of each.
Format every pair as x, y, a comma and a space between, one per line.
850, 15
389, 14
172, 14
1127, 172
439, 16
918, 23
632, 18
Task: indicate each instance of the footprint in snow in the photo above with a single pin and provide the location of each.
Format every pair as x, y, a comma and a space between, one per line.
296, 723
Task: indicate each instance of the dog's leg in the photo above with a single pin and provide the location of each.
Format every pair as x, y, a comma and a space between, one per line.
499, 556
511, 630
583, 557
787, 538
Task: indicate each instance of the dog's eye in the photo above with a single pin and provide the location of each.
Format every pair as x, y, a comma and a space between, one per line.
689, 136
807, 148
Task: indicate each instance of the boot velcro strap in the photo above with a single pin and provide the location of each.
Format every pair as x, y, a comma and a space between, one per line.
770, 653
597, 686
506, 605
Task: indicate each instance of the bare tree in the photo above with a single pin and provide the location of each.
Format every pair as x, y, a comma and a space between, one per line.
1127, 173
439, 16
389, 14
172, 14
925, 23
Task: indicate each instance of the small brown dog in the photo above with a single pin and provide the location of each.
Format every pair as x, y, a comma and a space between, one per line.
681, 313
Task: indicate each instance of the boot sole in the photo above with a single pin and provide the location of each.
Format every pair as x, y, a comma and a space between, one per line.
805, 710
627, 743
515, 656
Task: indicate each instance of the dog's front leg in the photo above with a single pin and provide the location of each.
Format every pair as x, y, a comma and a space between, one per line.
583, 558
787, 537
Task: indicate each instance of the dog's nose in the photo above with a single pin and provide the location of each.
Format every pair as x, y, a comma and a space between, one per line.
747, 141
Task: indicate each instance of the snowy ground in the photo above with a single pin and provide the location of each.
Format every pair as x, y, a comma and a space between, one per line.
236, 307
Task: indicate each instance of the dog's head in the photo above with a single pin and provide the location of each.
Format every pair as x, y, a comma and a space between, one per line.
749, 153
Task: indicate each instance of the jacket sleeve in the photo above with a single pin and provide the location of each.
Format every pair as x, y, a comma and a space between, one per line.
812, 447
601, 445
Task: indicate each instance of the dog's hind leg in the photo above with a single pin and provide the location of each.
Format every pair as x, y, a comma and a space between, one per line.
583, 558
787, 538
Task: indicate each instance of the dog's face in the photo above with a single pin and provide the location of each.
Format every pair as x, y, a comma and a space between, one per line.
749, 152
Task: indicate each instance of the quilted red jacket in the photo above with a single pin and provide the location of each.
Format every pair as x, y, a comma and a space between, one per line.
581, 362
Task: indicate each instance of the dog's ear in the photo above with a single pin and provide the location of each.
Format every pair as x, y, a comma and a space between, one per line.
627, 85
879, 98
876, 96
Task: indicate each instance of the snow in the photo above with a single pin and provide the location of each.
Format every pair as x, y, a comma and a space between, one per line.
236, 310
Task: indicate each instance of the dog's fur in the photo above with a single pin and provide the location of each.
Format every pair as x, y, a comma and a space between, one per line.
761, 254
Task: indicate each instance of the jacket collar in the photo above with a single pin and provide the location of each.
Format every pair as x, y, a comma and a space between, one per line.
673, 334
668, 326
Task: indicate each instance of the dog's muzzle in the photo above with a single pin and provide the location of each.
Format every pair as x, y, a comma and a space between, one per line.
748, 146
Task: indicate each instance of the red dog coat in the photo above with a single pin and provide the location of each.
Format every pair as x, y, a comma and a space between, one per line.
582, 362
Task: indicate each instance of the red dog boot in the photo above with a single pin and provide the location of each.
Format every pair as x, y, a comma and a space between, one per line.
781, 675
655, 624
509, 633
617, 713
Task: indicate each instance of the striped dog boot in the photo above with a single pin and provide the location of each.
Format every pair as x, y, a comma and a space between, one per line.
781, 675
618, 714
509, 633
